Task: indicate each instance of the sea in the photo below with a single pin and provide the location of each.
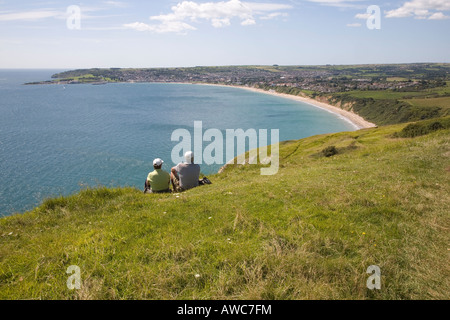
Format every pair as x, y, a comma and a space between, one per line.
58, 139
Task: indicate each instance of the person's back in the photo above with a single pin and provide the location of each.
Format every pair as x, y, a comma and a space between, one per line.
158, 180
185, 175
188, 175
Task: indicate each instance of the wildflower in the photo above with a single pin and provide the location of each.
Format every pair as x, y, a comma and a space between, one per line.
197, 276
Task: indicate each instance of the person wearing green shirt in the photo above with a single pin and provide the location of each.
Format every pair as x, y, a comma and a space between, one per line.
158, 181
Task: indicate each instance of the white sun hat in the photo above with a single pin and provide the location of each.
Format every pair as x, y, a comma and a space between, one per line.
188, 156
158, 162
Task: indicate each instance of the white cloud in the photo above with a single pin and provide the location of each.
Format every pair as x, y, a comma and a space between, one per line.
421, 9
117, 4
265, 7
274, 15
31, 15
219, 23
341, 3
219, 14
438, 16
363, 16
47, 13
209, 11
248, 22
172, 26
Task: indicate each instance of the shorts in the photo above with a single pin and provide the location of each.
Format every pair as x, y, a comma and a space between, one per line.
176, 184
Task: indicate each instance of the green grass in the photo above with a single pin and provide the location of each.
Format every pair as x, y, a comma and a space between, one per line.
399, 95
443, 102
394, 79
385, 94
309, 232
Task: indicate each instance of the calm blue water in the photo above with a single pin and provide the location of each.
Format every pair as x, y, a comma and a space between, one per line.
56, 139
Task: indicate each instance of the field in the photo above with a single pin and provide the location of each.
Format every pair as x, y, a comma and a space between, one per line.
443, 102
444, 92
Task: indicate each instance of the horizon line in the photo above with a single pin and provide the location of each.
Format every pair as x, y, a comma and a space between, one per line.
231, 65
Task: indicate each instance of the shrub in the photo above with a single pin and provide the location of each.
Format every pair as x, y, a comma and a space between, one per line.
329, 151
435, 126
54, 203
413, 130
422, 128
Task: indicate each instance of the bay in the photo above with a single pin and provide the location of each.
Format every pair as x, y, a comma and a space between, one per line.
56, 140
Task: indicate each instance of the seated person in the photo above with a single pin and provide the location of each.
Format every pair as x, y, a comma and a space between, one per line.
157, 181
185, 175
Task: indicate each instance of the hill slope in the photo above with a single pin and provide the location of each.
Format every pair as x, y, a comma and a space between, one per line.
309, 232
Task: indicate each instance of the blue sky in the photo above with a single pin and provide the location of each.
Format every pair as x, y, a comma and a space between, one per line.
168, 33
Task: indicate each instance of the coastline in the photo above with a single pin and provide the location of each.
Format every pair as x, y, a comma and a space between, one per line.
356, 120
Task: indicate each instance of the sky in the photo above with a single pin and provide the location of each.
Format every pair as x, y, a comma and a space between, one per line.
176, 33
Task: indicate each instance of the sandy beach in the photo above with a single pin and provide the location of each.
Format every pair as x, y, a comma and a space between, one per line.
358, 121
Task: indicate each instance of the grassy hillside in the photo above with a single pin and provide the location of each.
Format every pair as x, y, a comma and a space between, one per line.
309, 232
